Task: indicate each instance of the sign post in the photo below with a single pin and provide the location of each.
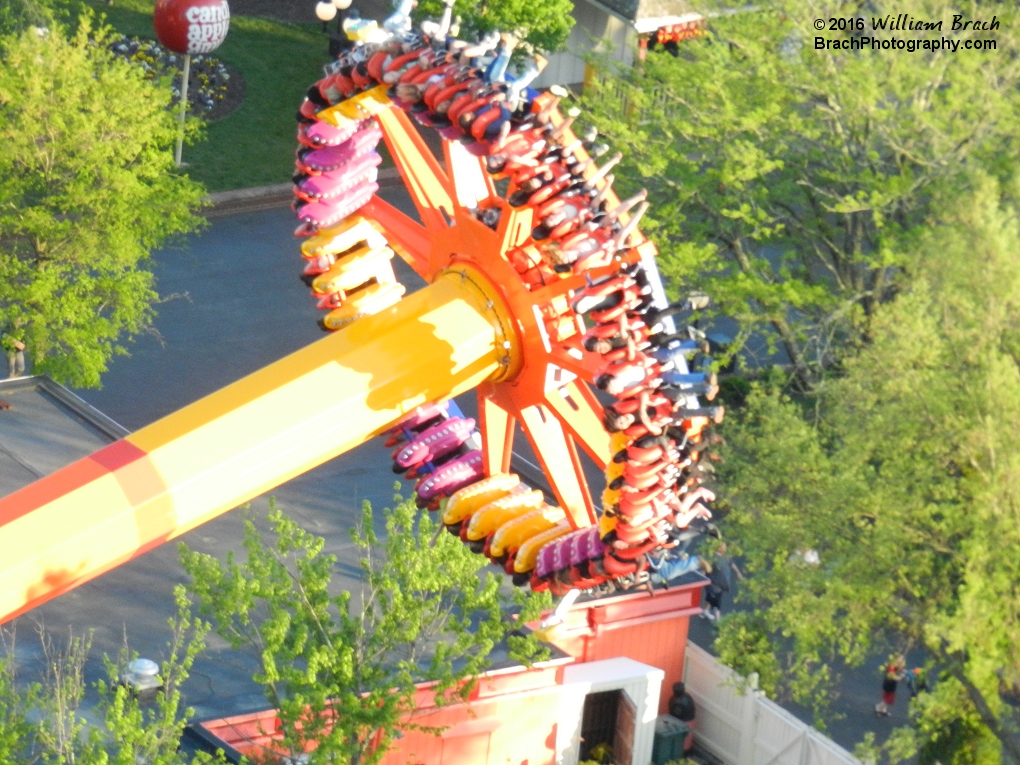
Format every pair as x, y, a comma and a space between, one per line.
187, 27
184, 109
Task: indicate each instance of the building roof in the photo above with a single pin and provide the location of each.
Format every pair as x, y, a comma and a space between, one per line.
45, 428
638, 10
652, 23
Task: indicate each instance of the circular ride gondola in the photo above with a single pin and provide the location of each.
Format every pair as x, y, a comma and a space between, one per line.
519, 206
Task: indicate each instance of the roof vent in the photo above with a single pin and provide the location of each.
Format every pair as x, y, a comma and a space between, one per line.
142, 677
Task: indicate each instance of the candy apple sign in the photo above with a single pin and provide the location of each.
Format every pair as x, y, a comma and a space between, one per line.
191, 26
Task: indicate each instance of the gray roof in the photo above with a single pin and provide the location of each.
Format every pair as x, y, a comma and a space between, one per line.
46, 428
635, 10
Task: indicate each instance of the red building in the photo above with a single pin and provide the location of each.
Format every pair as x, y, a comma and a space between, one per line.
612, 676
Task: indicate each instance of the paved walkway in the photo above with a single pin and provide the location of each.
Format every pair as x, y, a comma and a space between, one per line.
857, 693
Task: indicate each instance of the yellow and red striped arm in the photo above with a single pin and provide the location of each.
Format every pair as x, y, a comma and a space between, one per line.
244, 440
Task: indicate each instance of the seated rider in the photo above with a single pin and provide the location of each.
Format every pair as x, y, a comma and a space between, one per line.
667, 565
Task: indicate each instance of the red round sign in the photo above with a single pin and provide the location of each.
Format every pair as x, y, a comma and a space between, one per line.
191, 26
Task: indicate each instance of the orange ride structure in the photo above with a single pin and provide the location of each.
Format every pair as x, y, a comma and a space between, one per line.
505, 312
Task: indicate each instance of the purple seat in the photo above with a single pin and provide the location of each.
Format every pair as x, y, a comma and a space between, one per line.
550, 555
319, 215
544, 563
333, 157
323, 134
561, 550
435, 442
350, 175
454, 475
586, 546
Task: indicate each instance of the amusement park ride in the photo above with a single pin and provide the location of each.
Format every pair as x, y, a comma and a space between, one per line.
539, 286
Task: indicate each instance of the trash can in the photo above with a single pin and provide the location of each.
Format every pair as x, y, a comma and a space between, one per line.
668, 744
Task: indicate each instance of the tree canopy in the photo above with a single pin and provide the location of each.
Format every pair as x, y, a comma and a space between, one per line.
43, 721
783, 178
88, 188
858, 209
545, 24
902, 475
341, 667
18, 15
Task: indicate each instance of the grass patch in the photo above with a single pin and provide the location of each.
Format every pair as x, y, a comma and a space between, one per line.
254, 145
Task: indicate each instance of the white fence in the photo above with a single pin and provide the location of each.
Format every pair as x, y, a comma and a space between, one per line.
746, 728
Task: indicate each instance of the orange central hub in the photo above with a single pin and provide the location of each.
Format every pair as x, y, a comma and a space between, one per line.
505, 307
542, 381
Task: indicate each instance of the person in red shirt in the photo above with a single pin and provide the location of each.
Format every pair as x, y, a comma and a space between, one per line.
893, 672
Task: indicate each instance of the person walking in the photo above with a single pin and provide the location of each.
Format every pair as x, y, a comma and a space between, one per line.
15, 356
892, 672
720, 581
917, 681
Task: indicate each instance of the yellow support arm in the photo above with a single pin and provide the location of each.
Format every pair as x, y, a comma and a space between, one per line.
244, 440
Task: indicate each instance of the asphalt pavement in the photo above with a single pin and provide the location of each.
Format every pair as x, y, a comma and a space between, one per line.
233, 303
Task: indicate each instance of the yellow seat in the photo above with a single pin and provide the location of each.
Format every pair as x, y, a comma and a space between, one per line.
527, 555
365, 302
354, 269
333, 241
466, 501
514, 533
487, 519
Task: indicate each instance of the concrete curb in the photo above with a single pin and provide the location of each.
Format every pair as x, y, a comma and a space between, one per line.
266, 197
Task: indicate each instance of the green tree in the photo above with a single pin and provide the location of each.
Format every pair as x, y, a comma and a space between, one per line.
15, 706
18, 15
783, 178
745, 646
87, 188
151, 733
342, 670
544, 25
43, 721
902, 476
